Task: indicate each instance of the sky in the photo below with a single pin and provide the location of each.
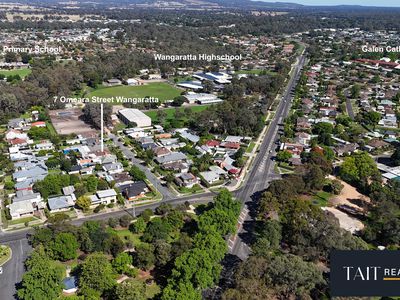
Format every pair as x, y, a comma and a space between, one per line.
390, 3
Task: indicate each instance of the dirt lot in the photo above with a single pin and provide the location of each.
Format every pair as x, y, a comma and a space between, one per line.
349, 196
346, 222
67, 121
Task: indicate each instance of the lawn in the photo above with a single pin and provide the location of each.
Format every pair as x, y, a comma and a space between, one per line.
21, 72
126, 235
170, 112
160, 90
321, 198
51, 129
250, 147
22, 220
5, 254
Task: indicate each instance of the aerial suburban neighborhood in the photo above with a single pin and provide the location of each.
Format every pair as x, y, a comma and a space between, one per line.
187, 150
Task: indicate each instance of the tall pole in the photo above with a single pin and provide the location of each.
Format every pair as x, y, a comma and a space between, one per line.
102, 127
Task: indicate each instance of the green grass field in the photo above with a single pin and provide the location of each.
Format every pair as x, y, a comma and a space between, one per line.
170, 112
21, 72
160, 90
321, 198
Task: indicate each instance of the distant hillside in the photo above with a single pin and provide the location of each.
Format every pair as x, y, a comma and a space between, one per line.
242, 4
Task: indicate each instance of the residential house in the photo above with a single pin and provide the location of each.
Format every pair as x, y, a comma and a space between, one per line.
21, 209
186, 180
61, 203
104, 197
39, 172
210, 177
172, 157
134, 191
113, 168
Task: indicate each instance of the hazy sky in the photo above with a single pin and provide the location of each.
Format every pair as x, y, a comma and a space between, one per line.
391, 3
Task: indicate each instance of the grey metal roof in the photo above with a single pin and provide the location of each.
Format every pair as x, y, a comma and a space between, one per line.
175, 156
60, 202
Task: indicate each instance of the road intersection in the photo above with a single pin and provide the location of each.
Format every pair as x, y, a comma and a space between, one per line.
256, 180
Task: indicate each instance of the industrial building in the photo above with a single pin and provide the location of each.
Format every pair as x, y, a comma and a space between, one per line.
132, 115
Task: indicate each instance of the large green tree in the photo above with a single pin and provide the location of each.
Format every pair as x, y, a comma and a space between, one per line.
358, 167
198, 267
130, 290
43, 278
64, 246
96, 273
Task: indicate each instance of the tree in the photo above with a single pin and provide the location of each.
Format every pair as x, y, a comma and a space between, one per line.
218, 220
178, 101
323, 127
139, 226
314, 177
92, 115
211, 241
137, 174
113, 244
183, 290
43, 279
358, 167
125, 220
131, 290
161, 115
269, 238
197, 267
208, 86
290, 275
41, 236
396, 157
335, 187
183, 244
64, 246
162, 252
83, 202
157, 229
122, 262
283, 156
91, 183
355, 91
372, 118
96, 273
144, 256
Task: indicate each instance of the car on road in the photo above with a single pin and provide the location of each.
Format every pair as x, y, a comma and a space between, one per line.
1, 270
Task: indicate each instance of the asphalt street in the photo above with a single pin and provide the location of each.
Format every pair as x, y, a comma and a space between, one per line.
349, 108
257, 180
262, 173
166, 193
14, 269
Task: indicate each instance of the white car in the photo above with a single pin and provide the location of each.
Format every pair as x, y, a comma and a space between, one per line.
1, 270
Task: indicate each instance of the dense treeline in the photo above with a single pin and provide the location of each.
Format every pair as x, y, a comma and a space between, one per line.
293, 240
296, 20
182, 250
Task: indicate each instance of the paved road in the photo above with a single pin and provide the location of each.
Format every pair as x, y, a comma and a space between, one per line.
17, 240
349, 108
14, 269
166, 193
262, 172
260, 175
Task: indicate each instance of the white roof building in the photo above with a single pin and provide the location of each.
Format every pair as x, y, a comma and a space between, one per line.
131, 115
